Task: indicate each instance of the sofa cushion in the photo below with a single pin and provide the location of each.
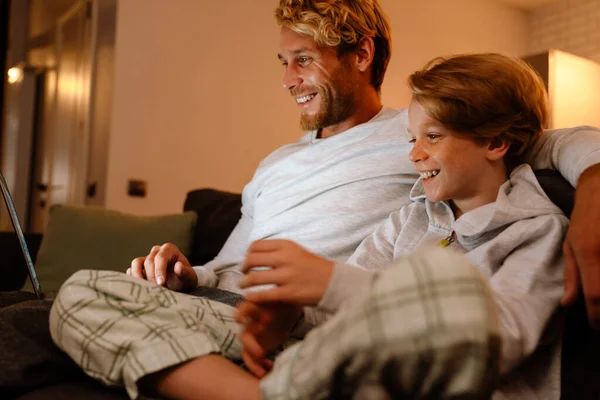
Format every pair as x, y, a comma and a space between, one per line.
94, 238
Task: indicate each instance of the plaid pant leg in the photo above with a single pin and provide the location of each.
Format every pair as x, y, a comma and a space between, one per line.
425, 328
118, 328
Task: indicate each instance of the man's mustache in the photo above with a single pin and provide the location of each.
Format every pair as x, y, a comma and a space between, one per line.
304, 91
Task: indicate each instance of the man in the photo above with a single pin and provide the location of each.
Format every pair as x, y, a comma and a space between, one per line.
326, 192
325, 183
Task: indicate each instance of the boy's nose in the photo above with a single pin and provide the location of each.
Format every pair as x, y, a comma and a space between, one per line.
417, 153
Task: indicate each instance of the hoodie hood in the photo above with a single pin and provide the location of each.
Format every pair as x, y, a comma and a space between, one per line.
520, 197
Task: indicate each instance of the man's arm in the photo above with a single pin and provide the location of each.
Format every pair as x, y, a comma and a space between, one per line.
223, 271
569, 151
582, 246
575, 153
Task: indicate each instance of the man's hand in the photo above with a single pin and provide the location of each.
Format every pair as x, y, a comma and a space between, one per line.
265, 328
165, 265
582, 246
301, 278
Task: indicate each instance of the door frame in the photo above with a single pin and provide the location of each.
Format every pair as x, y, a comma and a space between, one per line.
76, 118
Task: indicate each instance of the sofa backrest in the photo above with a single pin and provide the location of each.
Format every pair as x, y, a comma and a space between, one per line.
218, 213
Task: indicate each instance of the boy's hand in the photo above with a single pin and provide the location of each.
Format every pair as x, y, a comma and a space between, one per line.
265, 328
300, 276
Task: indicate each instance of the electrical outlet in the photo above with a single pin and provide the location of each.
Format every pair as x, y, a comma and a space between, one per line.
137, 188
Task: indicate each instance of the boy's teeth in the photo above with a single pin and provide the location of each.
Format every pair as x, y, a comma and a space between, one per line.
428, 174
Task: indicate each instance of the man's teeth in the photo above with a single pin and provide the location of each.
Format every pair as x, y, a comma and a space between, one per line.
302, 100
428, 174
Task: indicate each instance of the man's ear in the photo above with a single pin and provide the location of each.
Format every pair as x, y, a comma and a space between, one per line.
497, 149
365, 53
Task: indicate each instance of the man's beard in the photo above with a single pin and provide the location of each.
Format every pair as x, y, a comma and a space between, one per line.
334, 108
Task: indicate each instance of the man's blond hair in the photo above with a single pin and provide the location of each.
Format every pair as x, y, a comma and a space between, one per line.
489, 97
341, 24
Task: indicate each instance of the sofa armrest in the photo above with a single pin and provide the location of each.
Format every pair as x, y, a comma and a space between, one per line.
13, 268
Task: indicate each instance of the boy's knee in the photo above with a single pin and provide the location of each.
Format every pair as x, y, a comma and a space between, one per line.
438, 284
432, 264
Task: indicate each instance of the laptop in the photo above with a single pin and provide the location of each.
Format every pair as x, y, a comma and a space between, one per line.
35, 283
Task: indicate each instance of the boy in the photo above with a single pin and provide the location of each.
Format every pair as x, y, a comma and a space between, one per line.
470, 120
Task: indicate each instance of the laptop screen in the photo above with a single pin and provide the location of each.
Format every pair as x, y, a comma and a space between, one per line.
8, 219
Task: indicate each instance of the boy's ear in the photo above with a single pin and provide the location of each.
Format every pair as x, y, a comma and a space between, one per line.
497, 149
365, 53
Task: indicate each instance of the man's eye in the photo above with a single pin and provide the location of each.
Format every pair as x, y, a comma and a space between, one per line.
303, 60
433, 136
413, 140
284, 63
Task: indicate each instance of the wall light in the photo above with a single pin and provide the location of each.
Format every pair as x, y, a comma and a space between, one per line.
15, 74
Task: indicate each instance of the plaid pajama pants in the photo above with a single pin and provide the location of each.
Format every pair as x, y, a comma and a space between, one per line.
424, 328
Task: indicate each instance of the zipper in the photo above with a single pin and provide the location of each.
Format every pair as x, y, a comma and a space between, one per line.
448, 241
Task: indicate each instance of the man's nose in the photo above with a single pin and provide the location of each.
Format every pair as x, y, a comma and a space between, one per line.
417, 153
291, 78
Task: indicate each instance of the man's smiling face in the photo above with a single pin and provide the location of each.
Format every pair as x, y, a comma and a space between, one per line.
318, 79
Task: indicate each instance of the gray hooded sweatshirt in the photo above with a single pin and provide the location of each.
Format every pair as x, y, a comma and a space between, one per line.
515, 242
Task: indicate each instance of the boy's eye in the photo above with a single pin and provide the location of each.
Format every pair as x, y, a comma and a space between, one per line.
433, 136
413, 140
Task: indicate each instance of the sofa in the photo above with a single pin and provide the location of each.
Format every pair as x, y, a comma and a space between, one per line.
40, 370
217, 214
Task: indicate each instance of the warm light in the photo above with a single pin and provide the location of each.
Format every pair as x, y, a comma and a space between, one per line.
14, 74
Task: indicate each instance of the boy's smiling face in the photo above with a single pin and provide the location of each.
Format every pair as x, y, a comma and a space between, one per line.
453, 167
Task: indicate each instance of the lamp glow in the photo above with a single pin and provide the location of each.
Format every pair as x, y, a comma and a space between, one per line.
14, 74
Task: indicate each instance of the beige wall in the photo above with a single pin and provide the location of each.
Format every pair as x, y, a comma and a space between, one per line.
198, 100
426, 29
572, 26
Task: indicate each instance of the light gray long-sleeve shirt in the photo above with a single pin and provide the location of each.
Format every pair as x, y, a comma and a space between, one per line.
329, 194
515, 242
325, 194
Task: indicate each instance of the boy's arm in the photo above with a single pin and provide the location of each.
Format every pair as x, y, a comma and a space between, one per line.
375, 252
265, 327
527, 287
319, 285
575, 153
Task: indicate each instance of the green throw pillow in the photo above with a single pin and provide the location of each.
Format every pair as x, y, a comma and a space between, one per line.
95, 238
